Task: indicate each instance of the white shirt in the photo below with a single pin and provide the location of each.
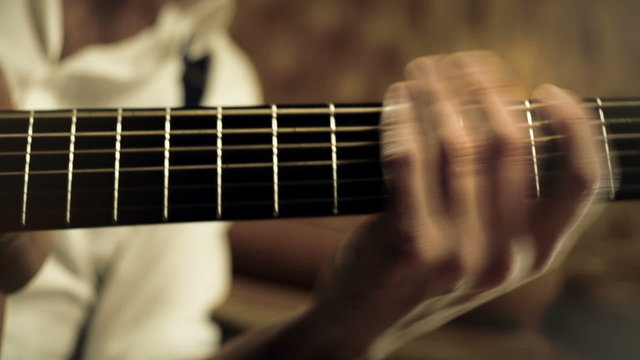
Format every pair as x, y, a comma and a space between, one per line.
146, 291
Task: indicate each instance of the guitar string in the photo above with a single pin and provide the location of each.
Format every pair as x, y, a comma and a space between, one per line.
195, 167
283, 201
354, 144
317, 145
206, 166
244, 185
539, 139
286, 130
204, 189
546, 173
231, 185
231, 204
302, 110
131, 190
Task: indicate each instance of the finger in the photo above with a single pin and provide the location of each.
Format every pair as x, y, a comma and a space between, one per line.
410, 170
463, 154
581, 170
441, 117
489, 97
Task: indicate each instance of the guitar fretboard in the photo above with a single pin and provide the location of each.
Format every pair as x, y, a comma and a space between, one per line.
82, 168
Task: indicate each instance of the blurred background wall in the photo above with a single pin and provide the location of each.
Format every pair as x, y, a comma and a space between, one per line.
351, 50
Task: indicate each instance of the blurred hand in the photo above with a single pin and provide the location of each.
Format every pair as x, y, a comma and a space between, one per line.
462, 226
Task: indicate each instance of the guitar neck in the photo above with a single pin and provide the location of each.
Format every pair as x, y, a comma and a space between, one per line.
85, 168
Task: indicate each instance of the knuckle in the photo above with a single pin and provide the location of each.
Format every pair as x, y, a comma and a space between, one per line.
419, 67
483, 86
427, 92
465, 150
459, 147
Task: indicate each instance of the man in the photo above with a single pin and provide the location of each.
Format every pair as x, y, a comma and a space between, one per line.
459, 230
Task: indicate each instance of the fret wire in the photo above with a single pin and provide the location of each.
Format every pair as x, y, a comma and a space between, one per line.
219, 163
72, 144
274, 144
27, 163
605, 140
167, 145
532, 137
116, 173
334, 157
